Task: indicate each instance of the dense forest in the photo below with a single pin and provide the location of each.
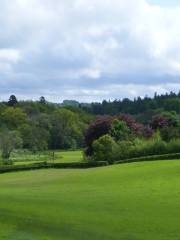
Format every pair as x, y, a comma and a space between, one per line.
41, 125
38, 126
142, 108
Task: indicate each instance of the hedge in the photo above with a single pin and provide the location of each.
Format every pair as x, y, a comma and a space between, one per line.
171, 156
83, 165
45, 165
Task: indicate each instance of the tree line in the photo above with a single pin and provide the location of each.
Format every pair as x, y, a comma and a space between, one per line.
142, 108
39, 126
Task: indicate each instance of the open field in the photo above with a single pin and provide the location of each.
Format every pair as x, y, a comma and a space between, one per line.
21, 157
139, 201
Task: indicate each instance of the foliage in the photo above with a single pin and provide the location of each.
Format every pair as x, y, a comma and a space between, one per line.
122, 150
97, 128
123, 124
47, 126
119, 130
133, 148
140, 147
103, 149
136, 129
42, 100
9, 140
173, 118
159, 122
43, 125
66, 130
34, 138
170, 156
44, 165
13, 117
170, 133
12, 101
144, 108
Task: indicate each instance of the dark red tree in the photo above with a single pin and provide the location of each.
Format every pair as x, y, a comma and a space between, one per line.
136, 128
98, 128
159, 122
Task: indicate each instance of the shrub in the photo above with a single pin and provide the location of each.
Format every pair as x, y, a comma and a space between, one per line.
106, 149
154, 146
7, 162
103, 149
122, 150
173, 146
169, 133
141, 147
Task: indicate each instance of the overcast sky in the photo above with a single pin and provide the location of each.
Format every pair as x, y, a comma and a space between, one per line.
89, 50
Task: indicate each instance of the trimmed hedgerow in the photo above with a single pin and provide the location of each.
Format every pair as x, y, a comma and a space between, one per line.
45, 165
151, 158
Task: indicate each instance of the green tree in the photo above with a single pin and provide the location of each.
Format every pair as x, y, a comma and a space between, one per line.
42, 100
103, 149
9, 140
12, 101
66, 130
34, 138
173, 119
13, 117
119, 130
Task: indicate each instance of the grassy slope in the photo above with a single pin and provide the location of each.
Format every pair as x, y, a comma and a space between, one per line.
129, 202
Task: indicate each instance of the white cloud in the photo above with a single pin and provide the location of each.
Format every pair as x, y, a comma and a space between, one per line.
9, 55
88, 44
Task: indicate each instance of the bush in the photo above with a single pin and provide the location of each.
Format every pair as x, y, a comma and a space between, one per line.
7, 162
173, 146
170, 133
141, 148
122, 150
153, 146
103, 149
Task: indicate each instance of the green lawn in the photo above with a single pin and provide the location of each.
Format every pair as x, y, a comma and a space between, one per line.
139, 201
60, 156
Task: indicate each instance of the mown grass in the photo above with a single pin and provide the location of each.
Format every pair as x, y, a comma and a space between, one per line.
26, 157
139, 201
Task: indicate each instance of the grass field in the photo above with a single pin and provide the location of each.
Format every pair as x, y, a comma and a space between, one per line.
20, 158
129, 202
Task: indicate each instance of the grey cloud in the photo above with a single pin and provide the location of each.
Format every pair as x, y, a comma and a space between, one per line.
82, 48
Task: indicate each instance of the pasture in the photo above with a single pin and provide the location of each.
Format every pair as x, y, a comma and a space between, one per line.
27, 157
139, 201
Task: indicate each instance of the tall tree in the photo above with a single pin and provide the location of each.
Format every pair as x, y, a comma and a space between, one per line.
42, 100
12, 101
12, 118
9, 140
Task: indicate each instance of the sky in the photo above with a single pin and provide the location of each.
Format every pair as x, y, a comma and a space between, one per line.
167, 3
89, 50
